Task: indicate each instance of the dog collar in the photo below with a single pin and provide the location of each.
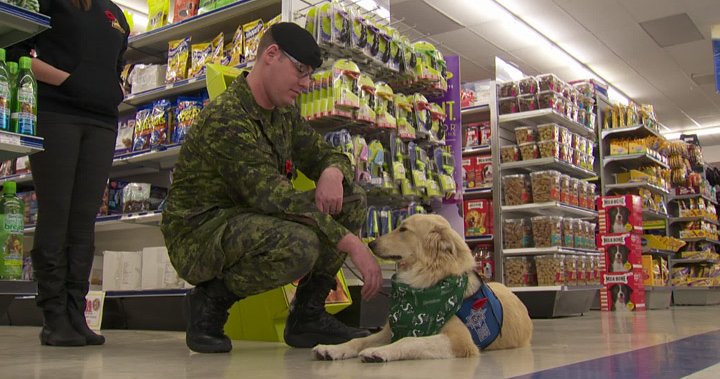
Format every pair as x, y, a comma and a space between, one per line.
423, 312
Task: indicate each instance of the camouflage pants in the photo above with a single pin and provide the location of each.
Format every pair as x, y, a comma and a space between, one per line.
262, 252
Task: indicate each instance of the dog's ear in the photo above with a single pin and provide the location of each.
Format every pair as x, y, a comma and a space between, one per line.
440, 241
444, 240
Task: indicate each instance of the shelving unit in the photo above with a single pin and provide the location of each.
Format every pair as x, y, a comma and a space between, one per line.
18, 24
541, 301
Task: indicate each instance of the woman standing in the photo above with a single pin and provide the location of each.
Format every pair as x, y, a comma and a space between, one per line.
77, 66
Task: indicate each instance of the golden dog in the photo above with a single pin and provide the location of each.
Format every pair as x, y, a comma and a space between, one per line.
428, 250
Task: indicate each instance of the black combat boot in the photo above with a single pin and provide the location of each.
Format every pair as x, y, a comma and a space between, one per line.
80, 260
50, 269
207, 308
308, 323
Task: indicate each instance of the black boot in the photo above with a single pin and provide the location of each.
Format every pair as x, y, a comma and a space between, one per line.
207, 308
80, 260
308, 323
50, 269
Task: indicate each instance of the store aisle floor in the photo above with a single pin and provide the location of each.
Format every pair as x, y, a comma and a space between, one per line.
658, 344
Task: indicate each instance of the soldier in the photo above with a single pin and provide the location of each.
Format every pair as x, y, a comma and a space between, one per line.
233, 224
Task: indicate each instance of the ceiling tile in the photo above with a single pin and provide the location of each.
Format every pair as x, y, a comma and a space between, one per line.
672, 30
693, 58
467, 12
424, 18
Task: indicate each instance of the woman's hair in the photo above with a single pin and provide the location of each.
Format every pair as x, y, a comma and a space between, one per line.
82, 4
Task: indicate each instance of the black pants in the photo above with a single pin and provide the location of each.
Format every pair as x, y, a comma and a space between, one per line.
70, 178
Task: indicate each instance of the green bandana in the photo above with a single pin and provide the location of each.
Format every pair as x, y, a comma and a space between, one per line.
422, 312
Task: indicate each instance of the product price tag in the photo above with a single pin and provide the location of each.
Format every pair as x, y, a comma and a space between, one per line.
95, 301
10, 139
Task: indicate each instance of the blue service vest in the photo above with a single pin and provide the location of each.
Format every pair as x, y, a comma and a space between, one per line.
482, 313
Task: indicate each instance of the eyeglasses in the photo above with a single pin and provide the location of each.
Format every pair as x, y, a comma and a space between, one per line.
304, 70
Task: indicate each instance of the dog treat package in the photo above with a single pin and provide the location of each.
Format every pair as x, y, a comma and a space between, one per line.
620, 214
161, 123
124, 139
483, 171
478, 217
623, 292
517, 189
622, 252
185, 9
520, 272
251, 37
143, 128
469, 180
178, 54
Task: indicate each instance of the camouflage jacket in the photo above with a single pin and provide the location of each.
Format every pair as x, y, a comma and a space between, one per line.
235, 161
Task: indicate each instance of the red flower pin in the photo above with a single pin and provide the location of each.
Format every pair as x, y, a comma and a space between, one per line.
110, 16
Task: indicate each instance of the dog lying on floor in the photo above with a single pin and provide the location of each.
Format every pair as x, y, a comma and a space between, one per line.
434, 288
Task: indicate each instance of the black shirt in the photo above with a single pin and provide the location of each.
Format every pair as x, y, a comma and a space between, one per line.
90, 46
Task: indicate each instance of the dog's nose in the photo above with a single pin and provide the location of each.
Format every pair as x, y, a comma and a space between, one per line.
372, 245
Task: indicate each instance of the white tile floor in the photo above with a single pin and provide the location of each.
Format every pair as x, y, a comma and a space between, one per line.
151, 354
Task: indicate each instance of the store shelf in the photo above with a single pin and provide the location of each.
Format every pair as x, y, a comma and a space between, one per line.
475, 110
693, 196
637, 131
18, 24
633, 161
18, 287
696, 295
649, 215
474, 150
659, 252
701, 239
553, 288
169, 90
552, 208
180, 292
543, 116
695, 260
674, 220
145, 161
13, 145
17, 178
548, 250
479, 239
548, 164
477, 193
120, 222
201, 28
639, 185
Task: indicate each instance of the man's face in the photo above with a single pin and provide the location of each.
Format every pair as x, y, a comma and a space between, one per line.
287, 77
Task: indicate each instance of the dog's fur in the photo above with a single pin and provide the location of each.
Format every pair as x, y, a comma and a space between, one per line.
429, 250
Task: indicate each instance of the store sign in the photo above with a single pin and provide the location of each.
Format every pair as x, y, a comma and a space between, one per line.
716, 55
453, 138
451, 103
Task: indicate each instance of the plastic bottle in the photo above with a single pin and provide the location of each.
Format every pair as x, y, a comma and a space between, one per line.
24, 116
5, 93
12, 219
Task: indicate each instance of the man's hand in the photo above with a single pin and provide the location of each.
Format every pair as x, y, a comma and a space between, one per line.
329, 192
363, 259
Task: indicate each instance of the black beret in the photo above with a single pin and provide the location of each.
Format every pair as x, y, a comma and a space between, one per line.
297, 42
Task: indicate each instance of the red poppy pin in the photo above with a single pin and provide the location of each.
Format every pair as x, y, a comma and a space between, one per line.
114, 22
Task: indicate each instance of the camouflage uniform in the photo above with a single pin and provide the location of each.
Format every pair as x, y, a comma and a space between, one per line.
232, 212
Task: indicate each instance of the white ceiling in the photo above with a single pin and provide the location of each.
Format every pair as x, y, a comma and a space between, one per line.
604, 34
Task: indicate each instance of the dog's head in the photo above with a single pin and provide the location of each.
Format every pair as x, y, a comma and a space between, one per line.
425, 245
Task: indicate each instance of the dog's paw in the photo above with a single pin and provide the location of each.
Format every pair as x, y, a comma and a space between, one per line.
374, 355
333, 352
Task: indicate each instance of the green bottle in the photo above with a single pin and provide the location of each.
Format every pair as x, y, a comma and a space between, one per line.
24, 116
5, 93
12, 225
